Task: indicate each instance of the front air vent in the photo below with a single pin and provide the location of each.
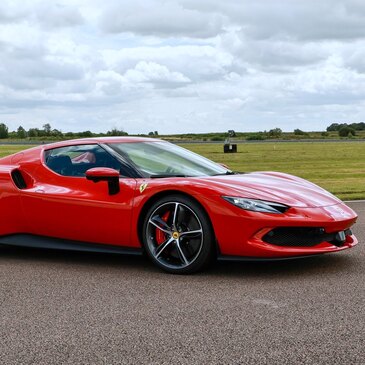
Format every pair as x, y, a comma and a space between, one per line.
18, 179
304, 236
296, 236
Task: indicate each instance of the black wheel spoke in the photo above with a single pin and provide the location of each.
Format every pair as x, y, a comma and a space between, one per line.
183, 258
192, 234
159, 223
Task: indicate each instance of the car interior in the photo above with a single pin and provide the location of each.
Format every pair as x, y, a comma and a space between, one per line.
71, 163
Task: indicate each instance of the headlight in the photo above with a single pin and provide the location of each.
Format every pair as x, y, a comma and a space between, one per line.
257, 205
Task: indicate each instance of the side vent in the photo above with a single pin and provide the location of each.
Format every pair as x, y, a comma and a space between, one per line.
18, 179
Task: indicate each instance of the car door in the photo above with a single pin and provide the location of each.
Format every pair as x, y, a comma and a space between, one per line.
62, 203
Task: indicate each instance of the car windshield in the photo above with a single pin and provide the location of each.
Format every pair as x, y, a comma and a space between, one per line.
163, 159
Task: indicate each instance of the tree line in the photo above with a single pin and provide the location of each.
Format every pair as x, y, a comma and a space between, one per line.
346, 130
47, 132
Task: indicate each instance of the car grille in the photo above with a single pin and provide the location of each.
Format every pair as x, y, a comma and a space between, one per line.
304, 236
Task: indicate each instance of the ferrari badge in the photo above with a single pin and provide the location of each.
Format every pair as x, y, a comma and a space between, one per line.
142, 187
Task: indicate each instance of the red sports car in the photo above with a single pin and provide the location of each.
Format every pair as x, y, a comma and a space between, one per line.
135, 195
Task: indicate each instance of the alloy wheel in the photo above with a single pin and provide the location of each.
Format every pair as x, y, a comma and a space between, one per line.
174, 235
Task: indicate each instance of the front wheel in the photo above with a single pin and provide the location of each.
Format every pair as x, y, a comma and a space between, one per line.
177, 235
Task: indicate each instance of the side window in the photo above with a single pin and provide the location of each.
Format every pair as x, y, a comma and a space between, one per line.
76, 160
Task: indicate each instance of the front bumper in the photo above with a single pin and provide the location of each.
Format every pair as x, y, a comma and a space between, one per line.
241, 233
274, 250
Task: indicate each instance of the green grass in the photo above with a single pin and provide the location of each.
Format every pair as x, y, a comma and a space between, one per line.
6, 150
337, 167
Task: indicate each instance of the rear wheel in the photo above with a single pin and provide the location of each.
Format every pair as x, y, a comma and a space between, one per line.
177, 235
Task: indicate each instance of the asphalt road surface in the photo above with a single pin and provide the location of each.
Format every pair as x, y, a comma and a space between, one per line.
67, 308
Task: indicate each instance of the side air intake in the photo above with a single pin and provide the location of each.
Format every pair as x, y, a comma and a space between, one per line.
18, 179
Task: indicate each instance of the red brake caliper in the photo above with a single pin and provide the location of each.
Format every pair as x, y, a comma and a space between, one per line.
160, 235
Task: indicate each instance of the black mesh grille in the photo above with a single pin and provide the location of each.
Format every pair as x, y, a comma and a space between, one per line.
303, 236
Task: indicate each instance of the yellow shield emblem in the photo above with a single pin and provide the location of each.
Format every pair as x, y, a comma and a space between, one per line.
142, 187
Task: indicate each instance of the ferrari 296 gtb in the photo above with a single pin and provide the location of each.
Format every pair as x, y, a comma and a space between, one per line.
140, 195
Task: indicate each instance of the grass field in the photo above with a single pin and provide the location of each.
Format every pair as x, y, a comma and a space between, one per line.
338, 167
10, 149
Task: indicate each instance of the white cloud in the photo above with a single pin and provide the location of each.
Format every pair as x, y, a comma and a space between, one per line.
57, 16
197, 63
38, 12
11, 12
283, 19
181, 65
155, 73
159, 18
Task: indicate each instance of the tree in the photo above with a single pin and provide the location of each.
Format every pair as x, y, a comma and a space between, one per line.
56, 133
299, 132
358, 126
275, 133
33, 132
337, 126
346, 132
151, 134
21, 133
47, 129
85, 134
117, 132
4, 131
156, 133
333, 127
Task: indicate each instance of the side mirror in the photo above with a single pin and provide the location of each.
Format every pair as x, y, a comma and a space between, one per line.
98, 174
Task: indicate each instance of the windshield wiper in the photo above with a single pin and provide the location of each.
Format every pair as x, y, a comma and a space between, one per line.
166, 175
229, 172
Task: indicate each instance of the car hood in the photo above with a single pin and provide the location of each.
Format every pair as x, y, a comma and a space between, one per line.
272, 186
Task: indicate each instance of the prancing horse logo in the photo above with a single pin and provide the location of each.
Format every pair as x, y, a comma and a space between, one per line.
142, 187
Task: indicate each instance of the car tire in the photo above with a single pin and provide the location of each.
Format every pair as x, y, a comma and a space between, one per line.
177, 235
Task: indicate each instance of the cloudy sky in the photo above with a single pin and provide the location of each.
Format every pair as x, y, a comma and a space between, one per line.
181, 66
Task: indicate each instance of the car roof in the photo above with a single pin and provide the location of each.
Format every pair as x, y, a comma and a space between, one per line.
96, 140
